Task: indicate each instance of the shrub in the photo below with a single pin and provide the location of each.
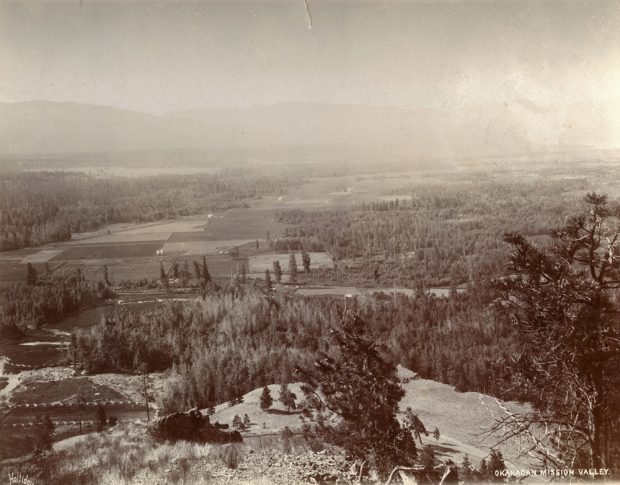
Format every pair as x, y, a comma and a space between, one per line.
191, 426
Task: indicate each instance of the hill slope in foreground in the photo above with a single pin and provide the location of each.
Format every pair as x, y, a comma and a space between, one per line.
126, 453
462, 418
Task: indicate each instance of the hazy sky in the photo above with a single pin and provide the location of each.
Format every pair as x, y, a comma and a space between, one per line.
161, 56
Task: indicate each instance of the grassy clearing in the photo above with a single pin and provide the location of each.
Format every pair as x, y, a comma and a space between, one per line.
262, 422
461, 419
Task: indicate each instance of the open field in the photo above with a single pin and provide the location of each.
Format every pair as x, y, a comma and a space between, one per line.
153, 231
250, 223
261, 262
124, 237
202, 247
221, 265
42, 256
107, 251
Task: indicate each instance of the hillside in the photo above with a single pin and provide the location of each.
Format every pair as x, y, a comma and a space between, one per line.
127, 453
286, 129
460, 417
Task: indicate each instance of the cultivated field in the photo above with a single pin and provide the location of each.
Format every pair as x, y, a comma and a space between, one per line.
108, 251
129, 250
249, 223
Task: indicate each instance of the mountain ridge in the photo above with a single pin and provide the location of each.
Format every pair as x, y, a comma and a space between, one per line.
493, 129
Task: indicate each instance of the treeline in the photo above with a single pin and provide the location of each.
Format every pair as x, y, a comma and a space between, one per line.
47, 299
235, 340
42, 207
443, 234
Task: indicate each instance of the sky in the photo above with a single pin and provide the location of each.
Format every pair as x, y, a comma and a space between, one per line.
163, 56
539, 57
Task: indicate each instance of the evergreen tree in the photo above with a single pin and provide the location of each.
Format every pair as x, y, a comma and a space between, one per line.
106, 276
243, 273
197, 272
277, 271
413, 424
102, 420
287, 397
495, 464
428, 459
563, 303
484, 471
268, 283
305, 259
206, 277
237, 423
44, 437
31, 275
286, 436
368, 428
186, 273
265, 399
175, 270
292, 268
246, 421
466, 468
162, 275
436, 434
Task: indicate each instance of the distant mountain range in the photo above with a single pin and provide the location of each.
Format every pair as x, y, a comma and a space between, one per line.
48, 128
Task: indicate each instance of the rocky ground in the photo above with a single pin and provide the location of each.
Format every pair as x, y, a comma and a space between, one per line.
262, 467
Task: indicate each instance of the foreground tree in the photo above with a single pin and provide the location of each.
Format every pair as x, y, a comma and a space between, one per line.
561, 301
360, 392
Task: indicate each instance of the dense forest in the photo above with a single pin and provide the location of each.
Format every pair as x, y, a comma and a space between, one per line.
237, 339
42, 207
442, 234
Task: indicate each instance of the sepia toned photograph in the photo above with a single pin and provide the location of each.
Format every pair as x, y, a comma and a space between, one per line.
309, 242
